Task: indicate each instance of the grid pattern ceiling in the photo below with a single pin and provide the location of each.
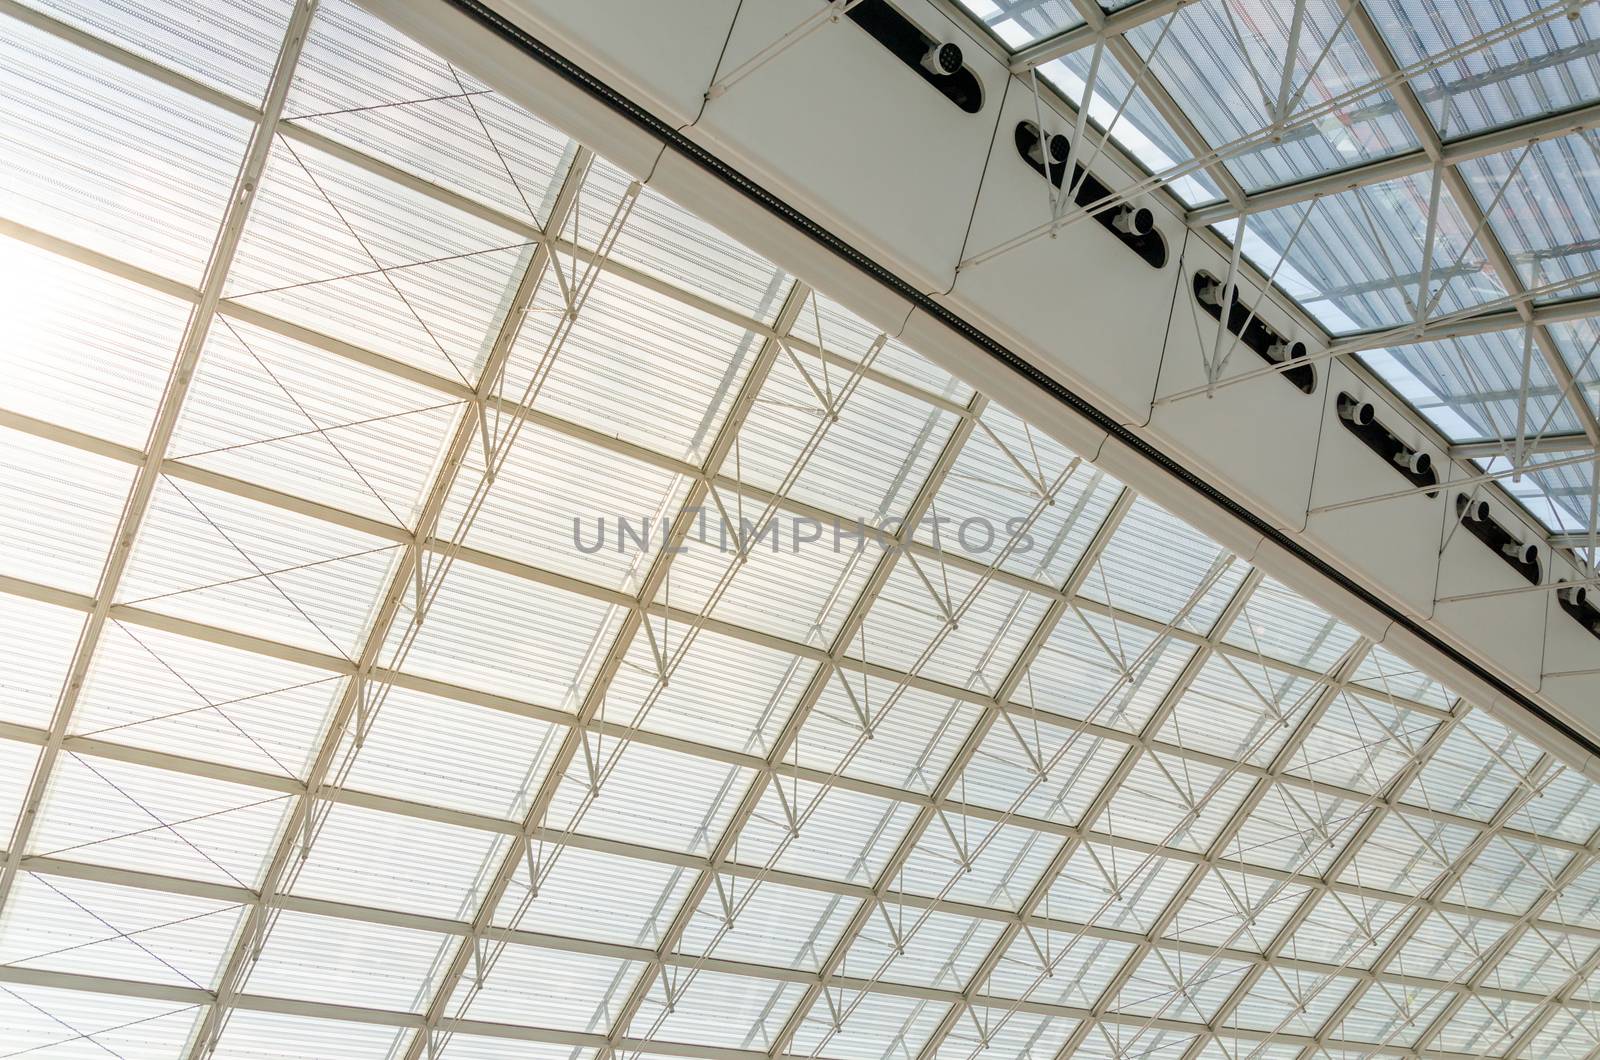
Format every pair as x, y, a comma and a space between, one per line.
321, 735
1400, 165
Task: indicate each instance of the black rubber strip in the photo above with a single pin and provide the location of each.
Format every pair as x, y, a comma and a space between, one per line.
671, 138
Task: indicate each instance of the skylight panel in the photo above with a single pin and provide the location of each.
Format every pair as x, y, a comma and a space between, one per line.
1395, 1014
1447, 945
986, 506
104, 812
817, 584
1542, 961
112, 160
363, 84
864, 465
1013, 1033
1557, 496
665, 241
1041, 770
1470, 387
989, 863
1570, 803
597, 894
1239, 710
227, 47
1360, 742
1484, 1025
1079, 969
550, 988
767, 923
631, 347
462, 756
845, 334
42, 1018
1016, 24
1166, 984
715, 1010
1223, 62
219, 558
628, 805
268, 1035
1511, 874
1543, 70
150, 688
374, 263
18, 760
921, 945
1355, 259
39, 640
843, 835
1103, 670
726, 693
1548, 219
485, 628
916, 732
369, 857
1346, 929
46, 486
1235, 910
1390, 676
1187, 589
909, 627
102, 373
1115, 886
1290, 1000
319, 958
1141, 131
1578, 902
868, 1025
1408, 855
564, 504
1280, 623
1461, 775
1171, 801
87, 927
1295, 829
268, 409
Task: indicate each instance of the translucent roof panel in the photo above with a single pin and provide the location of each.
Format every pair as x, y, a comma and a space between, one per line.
1470, 388
823, 707
1018, 23
1139, 127
1548, 218
1222, 62
1547, 68
1355, 259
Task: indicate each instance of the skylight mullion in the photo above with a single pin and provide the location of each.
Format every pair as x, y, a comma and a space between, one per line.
722, 446
1420, 906
1103, 799
1335, 870
284, 861
1487, 965
958, 765
364, 914
139, 501
1346, 669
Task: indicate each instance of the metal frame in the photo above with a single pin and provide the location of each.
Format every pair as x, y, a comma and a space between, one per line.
431, 556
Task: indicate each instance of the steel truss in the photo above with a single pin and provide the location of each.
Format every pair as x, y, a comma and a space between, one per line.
489, 419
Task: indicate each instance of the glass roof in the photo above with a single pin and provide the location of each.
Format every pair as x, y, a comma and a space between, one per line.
1319, 121
380, 683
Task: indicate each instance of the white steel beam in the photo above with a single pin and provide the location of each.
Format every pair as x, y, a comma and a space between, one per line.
398, 595
1377, 50
201, 315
